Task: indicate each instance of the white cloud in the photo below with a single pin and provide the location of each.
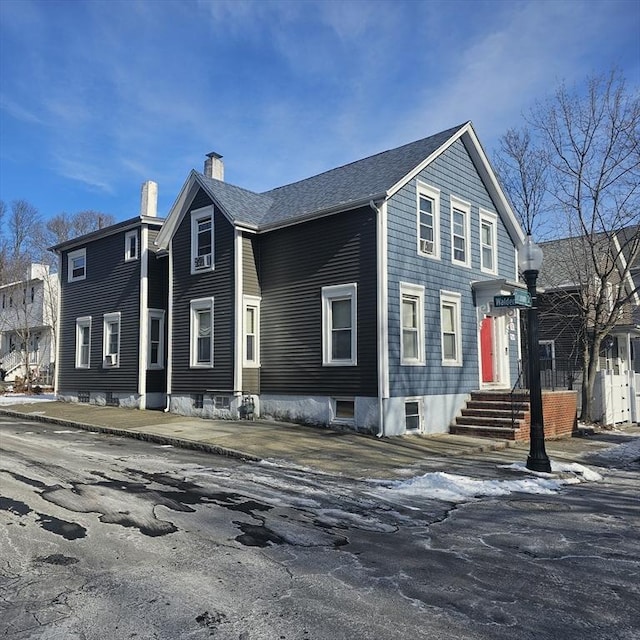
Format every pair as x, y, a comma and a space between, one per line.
18, 111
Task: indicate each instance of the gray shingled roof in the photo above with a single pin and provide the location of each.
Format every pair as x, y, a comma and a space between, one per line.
568, 261
339, 188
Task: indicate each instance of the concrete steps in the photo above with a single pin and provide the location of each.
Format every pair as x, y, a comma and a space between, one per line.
494, 414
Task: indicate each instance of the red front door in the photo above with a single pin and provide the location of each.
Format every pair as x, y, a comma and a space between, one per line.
486, 349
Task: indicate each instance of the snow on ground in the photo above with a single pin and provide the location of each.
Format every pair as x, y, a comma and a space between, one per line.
620, 455
451, 487
23, 398
457, 488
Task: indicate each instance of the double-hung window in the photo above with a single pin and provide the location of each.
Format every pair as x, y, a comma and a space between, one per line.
450, 328
339, 332
83, 342
77, 265
201, 333
412, 414
155, 350
131, 245
428, 220
460, 232
111, 339
251, 356
412, 347
202, 240
488, 241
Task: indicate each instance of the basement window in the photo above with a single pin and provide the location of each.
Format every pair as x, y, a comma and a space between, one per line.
344, 410
222, 402
412, 417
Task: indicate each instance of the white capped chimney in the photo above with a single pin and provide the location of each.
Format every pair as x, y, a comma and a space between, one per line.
149, 199
213, 166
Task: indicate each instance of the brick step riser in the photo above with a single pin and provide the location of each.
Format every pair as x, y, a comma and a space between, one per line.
483, 404
470, 421
500, 397
479, 432
493, 413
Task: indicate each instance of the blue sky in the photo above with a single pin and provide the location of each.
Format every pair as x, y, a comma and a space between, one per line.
97, 97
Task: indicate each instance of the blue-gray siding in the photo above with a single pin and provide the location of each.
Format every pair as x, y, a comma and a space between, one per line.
454, 174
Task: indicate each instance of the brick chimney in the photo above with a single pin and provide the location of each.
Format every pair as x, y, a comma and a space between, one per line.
149, 199
213, 166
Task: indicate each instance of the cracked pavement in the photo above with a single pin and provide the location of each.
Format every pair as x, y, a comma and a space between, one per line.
103, 537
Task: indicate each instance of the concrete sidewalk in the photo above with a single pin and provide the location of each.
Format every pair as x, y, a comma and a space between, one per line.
337, 452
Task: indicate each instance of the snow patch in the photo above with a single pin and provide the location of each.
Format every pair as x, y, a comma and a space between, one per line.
456, 488
23, 398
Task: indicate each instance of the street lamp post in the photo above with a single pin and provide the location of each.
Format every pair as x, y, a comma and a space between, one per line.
530, 260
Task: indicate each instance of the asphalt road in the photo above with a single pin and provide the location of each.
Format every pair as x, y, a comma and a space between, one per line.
109, 538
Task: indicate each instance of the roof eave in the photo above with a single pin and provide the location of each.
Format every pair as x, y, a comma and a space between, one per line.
323, 213
100, 233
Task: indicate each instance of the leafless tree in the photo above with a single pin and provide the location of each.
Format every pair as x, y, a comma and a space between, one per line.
588, 139
522, 168
24, 241
65, 226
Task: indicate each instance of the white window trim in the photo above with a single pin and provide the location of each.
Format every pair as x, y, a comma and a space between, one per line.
71, 256
199, 304
252, 302
107, 357
414, 291
156, 314
196, 216
433, 194
420, 426
84, 321
128, 255
464, 207
454, 299
329, 294
492, 219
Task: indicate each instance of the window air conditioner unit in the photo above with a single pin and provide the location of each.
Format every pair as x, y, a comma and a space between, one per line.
426, 246
202, 262
110, 360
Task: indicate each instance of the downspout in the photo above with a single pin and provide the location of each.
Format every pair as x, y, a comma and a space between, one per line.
143, 336
169, 329
56, 373
238, 316
382, 315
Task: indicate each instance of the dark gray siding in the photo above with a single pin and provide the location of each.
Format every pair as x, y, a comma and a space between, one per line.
295, 263
250, 262
250, 287
111, 285
218, 284
454, 174
157, 298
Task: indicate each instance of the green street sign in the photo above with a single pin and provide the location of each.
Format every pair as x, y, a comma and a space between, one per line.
523, 298
518, 299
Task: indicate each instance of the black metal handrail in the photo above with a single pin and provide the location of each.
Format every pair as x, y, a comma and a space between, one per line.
516, 385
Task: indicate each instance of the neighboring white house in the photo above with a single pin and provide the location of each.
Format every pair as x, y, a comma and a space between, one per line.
28, 312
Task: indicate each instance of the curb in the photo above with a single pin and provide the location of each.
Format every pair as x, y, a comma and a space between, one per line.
148, 437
